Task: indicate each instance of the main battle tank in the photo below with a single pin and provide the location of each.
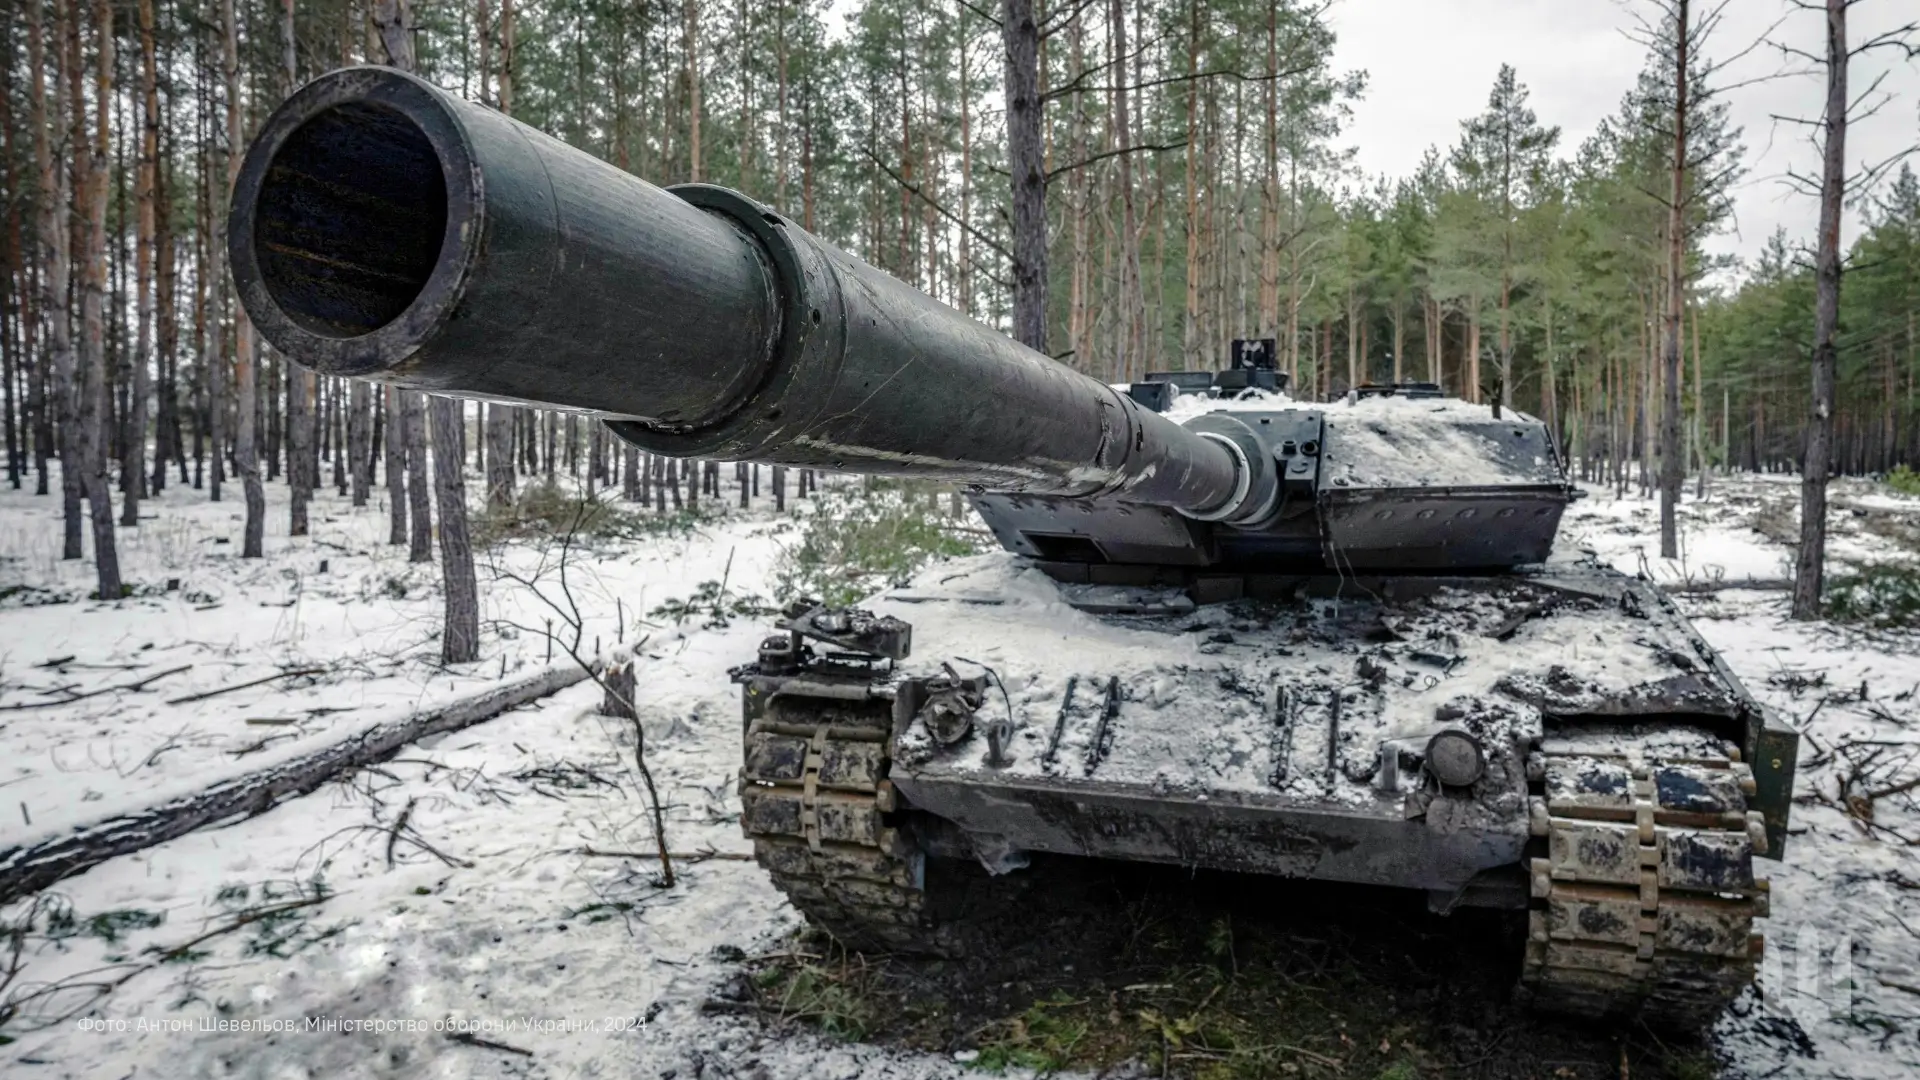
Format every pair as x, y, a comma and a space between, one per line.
1312, 640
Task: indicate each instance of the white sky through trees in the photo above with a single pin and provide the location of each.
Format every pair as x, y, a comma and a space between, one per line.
1430, 64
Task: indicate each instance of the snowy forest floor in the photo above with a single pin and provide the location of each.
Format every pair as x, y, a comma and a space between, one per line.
449, 897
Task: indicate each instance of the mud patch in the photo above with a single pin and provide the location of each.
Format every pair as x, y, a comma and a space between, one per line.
1132, 969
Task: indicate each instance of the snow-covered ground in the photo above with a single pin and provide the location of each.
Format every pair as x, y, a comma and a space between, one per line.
460, 897
337, 629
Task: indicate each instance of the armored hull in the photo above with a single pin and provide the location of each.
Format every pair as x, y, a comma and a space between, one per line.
1618, 786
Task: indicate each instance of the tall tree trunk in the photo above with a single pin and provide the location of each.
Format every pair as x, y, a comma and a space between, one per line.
166, 426
56, 187
1190, 326
1810, 565
1399, 337
396, 464
206, 295
16, 308
965, 270
90, 410
302, 386
506, 56
1672, 464
246, 456
1472, 366
133, 446
1026, 161
499, 440
360, 438
1353, 337
690, 43
1132, 328
495, 434
460, 634
413, 429
1698, 429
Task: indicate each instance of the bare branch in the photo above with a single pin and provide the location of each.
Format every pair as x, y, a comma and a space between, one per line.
1870, 175
1084, 162
995, 245
977, 11
1896, 38
1237, 76
1061, 21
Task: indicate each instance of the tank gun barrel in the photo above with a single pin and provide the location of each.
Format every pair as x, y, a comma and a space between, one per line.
384, 229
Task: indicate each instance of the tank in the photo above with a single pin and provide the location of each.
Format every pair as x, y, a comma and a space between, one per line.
1312, 640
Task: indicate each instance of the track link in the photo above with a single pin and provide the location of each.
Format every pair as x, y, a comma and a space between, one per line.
817, 805
1644, 901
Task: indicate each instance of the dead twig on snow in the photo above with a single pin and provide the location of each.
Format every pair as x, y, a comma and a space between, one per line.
190, 698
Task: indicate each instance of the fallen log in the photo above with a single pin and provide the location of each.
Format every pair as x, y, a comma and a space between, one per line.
27, 869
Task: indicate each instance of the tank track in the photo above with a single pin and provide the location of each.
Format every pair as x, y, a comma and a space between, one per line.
1643, 903
817, 805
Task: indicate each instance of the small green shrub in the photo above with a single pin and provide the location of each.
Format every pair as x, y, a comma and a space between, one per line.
832, 998
1042, 1039
1904, 480
715, 603
108, 926
1885, 596
859, 540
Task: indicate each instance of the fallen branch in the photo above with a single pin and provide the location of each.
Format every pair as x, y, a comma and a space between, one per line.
399, 826
138, 684
1699, 588
256, 745
29, 868
468, 1039
87, 989
242, 686
246, 919
702, 855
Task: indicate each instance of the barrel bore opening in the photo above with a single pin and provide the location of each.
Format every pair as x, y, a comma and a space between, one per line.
350, 220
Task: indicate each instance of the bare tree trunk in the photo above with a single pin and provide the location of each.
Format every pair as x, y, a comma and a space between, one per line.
1190, 327
460, 637
691, 43
965, 270
1472, 365
1672, 463
419, 495
246, 456
133, 459
396, 465
56, 182
499, 440
1026, 160
1132, 329
91, 386
1699, 432
302, 472
360, 439
1353, 337
1810, 565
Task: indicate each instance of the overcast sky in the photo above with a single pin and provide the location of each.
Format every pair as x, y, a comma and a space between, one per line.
1430, 64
